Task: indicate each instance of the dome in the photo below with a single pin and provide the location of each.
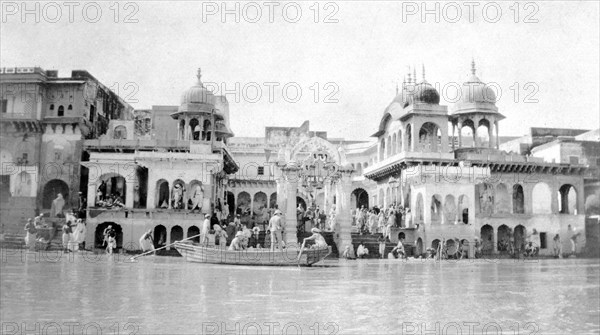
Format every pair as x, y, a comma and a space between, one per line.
425, 93
474, 90
404, 98
198, 94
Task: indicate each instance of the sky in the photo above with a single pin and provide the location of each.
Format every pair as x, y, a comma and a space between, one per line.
542, 57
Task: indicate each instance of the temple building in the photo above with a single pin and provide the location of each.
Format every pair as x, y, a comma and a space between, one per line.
164, 170
44, 121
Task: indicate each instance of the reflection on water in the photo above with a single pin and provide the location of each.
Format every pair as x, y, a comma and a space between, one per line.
167, 295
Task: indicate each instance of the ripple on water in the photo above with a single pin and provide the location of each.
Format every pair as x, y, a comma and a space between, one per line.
168, 295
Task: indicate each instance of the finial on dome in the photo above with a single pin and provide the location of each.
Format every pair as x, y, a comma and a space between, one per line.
409, 80
199, 75
423, 71
472, 66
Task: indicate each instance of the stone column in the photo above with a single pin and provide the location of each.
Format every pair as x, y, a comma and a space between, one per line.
494, 240
130, 188
186, 129
414, 138
168, 238
325, 197
343, 209
280, 181
497, 139
459, 134
491, 144
290, 219
91, 195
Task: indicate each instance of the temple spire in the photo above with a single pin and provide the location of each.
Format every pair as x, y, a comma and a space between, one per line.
472, 66
415, 74
409, 79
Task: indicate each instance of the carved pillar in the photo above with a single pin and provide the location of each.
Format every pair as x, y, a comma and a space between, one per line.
170, 195
325, 197
186, 129
130, 188
494, 240
168, 240
414, 138
491, 135
459, 134
453, 132
290, 219
343, 213
280, 193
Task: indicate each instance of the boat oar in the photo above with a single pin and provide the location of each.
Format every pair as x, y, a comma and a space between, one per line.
168, 245
301, 249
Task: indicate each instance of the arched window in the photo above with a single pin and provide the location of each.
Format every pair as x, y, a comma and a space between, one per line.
61, 111
120, 133
206, 131
70, 107
567, 199
51, 107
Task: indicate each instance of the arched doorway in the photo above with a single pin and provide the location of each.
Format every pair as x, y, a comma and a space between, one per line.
178, 194
243, 204
451, 248
114, 186
52, 189
230, 202
518, 199
99, 234
435, 244
520, 236
176, 234
450, 210
193, 231
487, 239
504, 235
160, 236
259, 203
436, 209
162, 198
419, 247
300, 201
463, 208
362, 198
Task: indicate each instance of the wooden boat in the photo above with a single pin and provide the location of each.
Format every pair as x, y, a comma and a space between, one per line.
215, 255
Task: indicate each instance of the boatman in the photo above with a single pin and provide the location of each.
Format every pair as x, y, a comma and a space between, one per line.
205, 229
275, 227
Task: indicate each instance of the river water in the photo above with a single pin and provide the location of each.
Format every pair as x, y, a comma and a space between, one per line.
56, 294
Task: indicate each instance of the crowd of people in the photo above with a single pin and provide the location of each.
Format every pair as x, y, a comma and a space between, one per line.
376, 220
73, 233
